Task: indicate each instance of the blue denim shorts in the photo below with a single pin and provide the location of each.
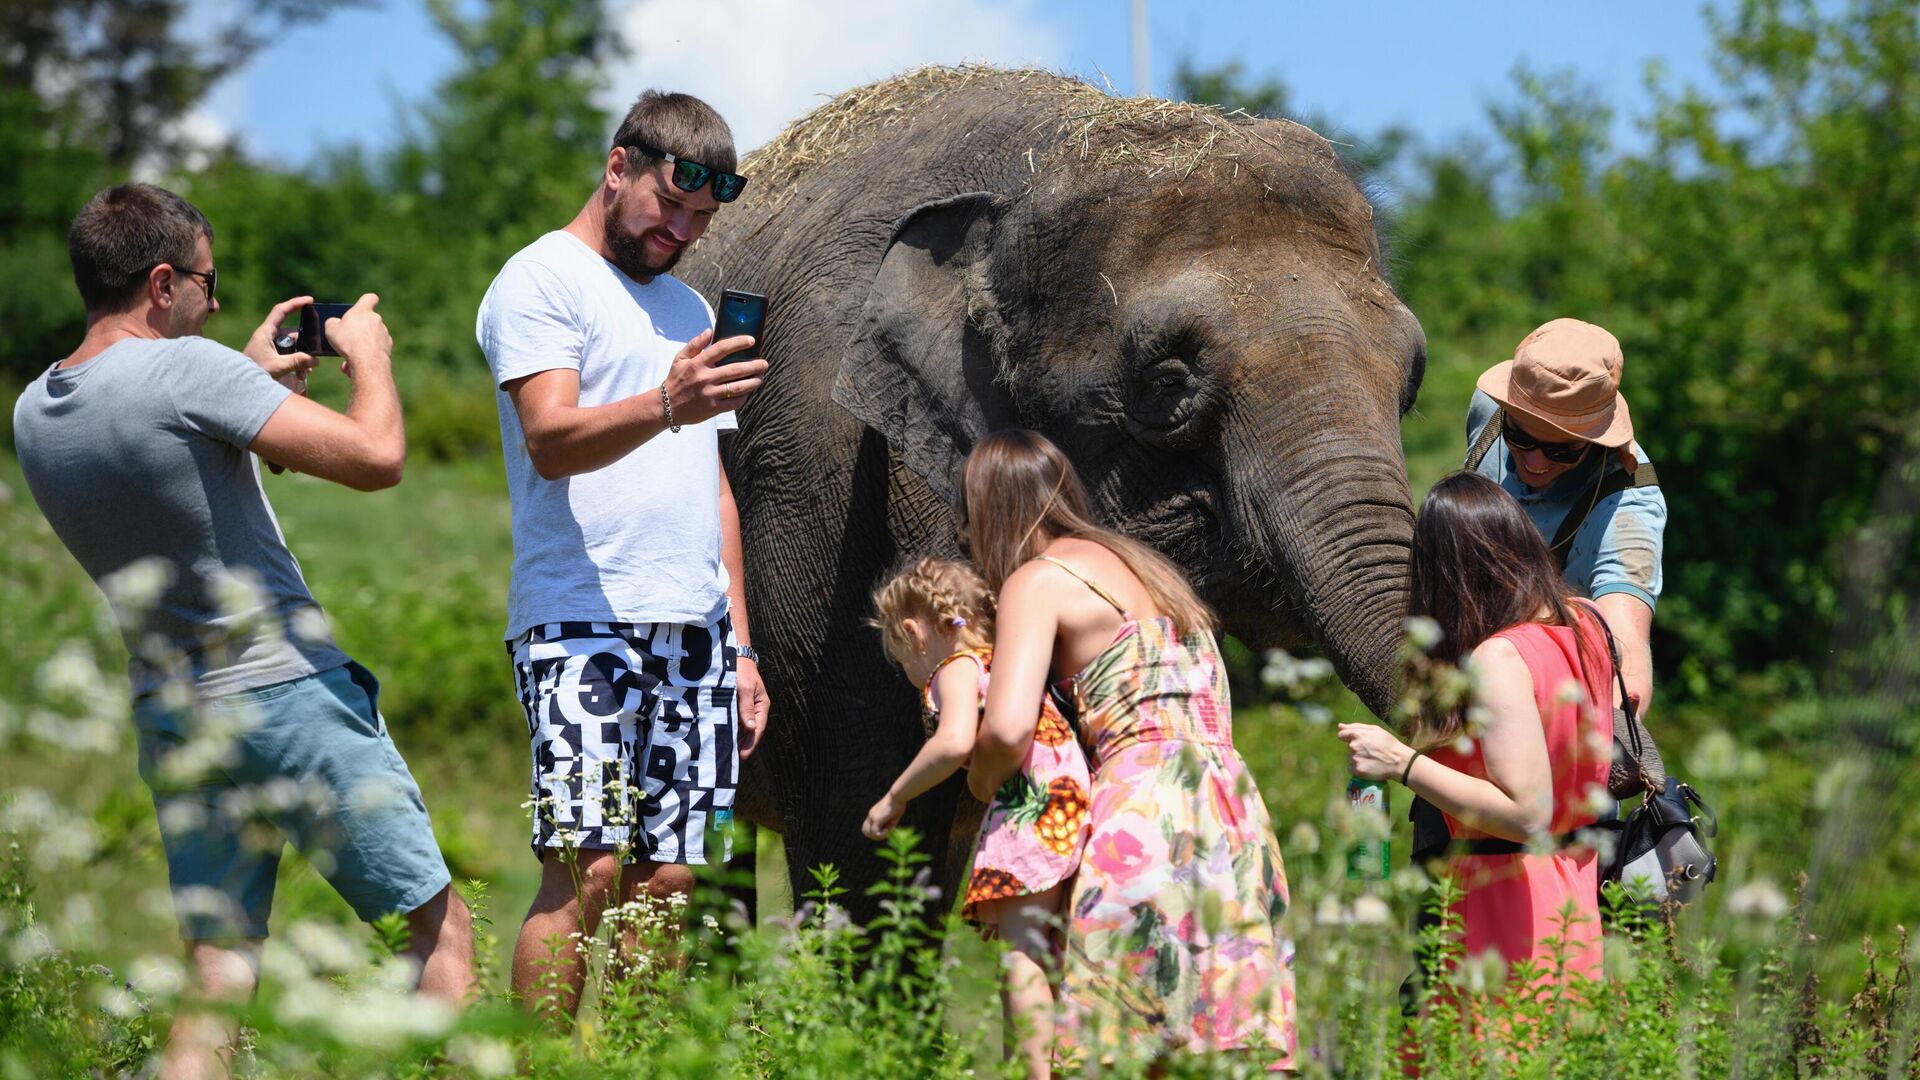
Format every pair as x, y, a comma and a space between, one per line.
237, 777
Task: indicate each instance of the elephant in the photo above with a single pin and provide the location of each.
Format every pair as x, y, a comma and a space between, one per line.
1190, 304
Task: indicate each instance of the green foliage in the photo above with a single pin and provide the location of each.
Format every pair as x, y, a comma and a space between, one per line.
1761, 266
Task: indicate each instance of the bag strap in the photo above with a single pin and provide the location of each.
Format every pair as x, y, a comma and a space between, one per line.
1642, 475
1481, 445
1638, 750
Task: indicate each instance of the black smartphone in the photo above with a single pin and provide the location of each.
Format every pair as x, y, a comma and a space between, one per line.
741, 313
313, 328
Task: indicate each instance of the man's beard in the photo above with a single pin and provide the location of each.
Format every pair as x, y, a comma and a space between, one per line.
630, 248
183, 323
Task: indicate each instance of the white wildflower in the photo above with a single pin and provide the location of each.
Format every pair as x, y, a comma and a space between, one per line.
1484, 973
159, 976
29, 946
1328, 911
1570, 692
1423, 632
26, 811
201, 901
1715, 757
1838, 780
1758, 899
70, 671
325, 948
485, 1056
138, 586
118, 1001
309, 624
238, 590
79, 917
73, 843
1304, 838
1596, 799
1371, 911
94, 735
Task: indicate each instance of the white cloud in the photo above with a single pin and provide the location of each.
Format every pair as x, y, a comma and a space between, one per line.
763, 63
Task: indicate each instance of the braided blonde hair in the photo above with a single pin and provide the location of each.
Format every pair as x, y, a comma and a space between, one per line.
943, 593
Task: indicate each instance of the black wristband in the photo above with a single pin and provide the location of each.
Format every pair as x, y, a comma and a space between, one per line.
1408, 771
666, 406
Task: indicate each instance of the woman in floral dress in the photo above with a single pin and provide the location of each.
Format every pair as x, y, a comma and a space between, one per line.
1173, 938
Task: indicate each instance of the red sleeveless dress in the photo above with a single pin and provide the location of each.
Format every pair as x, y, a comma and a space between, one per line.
1513, 903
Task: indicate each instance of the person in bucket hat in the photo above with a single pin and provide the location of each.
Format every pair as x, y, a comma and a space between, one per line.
1551, 427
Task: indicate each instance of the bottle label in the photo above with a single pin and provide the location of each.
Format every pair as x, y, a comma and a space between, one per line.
1369, 859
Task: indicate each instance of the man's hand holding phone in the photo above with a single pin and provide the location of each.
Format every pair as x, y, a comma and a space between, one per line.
703, 383
289, 369
361, 338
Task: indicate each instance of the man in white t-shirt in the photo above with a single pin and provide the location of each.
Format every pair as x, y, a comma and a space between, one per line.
626, 617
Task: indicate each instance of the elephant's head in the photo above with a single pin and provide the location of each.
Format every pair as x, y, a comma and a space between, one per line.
1215, 349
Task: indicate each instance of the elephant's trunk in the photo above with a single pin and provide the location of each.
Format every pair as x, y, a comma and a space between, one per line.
1332, 517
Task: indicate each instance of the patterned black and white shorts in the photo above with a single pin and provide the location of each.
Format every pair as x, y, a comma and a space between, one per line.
632, 725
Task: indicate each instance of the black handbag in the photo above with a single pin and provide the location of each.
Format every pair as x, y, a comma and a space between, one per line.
1660, 852
1662, 855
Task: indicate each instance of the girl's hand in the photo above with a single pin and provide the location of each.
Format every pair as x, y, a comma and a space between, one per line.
883, 817
1373, 753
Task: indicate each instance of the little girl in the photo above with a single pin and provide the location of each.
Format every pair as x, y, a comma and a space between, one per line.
936, 620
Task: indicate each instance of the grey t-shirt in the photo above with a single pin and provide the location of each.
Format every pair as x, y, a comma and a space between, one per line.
138, 458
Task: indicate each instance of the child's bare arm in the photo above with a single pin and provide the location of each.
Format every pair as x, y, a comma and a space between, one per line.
957, 688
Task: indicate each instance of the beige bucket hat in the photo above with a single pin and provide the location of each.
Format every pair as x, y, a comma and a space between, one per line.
1566, 375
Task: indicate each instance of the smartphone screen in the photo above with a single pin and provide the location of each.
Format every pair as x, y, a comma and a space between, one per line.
741, 313
313, 327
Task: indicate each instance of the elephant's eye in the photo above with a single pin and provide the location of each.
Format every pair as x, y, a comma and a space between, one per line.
1165, 398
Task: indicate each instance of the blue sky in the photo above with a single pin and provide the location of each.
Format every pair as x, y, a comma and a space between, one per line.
1430, 67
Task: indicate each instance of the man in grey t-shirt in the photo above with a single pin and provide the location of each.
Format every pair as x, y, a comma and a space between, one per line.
140, 450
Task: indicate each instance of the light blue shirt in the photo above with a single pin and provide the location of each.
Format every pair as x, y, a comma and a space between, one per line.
1617, 549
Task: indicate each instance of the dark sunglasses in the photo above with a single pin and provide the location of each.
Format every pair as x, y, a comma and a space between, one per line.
692, 176
209, 278
1565, 453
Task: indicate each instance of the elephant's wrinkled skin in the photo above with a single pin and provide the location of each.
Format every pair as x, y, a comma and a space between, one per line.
1190, 306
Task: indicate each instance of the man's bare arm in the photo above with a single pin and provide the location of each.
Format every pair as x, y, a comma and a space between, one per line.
565, 438
1631, 621
365, 447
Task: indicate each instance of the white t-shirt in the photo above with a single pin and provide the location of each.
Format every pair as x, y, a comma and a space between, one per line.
638, 540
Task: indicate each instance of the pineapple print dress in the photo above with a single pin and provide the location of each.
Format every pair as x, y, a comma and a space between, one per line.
1036, 825
1173, 935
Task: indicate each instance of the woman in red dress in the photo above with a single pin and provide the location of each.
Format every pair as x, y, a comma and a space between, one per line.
1529, 764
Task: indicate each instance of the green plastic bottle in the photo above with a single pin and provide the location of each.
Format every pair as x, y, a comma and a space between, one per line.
1368, 859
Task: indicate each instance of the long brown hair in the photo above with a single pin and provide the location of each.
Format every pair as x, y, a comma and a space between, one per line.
1479, 567
1018, 491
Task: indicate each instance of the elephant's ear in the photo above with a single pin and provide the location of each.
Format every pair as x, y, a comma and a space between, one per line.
921, 368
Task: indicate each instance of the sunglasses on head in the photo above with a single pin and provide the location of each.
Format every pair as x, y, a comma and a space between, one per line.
692, 176
1564, 453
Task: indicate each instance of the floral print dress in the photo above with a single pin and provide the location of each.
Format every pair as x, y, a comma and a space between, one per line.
1036, 825
1173, 932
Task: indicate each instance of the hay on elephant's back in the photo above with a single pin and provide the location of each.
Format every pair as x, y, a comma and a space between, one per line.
1151, 135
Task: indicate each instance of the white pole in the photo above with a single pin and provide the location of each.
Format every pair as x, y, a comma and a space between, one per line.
1140, 76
